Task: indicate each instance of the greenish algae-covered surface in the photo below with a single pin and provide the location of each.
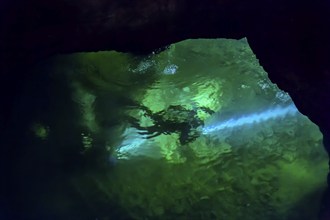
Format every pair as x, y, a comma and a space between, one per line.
196, 131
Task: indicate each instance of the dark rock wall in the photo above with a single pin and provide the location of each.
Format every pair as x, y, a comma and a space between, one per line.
294, 49
66, 26
291, 38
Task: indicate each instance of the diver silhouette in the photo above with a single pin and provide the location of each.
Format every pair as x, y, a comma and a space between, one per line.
174, 119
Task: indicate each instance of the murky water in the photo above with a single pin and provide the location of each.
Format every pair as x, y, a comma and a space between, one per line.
194, 132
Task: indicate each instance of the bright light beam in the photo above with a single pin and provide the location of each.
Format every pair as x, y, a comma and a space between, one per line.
135, 144
272, 113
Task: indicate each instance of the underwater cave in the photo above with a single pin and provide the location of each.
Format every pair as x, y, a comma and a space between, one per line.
117, 110
195, 131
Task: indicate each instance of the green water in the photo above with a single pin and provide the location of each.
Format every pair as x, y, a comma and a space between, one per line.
275, 169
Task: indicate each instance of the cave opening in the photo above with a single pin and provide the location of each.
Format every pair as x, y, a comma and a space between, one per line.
196, 130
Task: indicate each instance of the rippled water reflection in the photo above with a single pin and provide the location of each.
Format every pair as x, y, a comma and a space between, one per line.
139, 127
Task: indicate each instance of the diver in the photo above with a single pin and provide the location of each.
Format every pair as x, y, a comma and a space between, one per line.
174, 119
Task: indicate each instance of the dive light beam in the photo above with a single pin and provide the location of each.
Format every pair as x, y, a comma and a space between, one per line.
272, 113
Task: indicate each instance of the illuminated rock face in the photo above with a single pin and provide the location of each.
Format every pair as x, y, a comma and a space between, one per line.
254, 155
